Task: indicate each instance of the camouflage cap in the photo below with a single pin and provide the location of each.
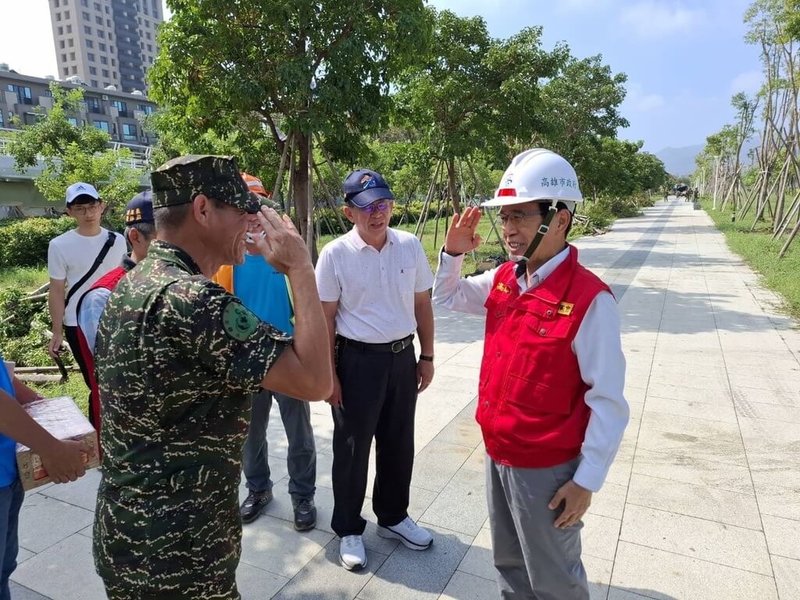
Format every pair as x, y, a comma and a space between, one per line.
179, 180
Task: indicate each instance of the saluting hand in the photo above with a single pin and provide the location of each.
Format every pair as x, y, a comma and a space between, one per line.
281, 246
576, 500
461, 236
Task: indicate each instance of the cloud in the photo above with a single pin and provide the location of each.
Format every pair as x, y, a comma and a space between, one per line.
654, 19
748, 82
637, 100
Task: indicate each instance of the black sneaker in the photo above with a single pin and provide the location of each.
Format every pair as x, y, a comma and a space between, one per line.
305, 515
254, 504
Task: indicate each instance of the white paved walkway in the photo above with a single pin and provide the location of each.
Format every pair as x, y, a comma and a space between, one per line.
702, 503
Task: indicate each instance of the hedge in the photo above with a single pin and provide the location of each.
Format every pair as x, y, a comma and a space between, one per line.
23, 242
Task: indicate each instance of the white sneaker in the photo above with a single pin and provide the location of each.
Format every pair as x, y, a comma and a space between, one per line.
352, 554
412, 535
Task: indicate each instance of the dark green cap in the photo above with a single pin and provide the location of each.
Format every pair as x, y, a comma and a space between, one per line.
179, 180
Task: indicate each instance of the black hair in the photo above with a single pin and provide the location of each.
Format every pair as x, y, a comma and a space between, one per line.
84, 199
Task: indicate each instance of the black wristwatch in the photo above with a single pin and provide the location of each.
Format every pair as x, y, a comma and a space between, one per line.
428, 357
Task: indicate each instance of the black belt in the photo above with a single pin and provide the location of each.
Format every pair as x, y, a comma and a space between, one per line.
394, 347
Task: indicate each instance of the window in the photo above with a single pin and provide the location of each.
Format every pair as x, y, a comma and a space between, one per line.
149, 47
92, 70
63, 58
72, 56
23, 93
101, 46
60, 30
89, 44
93, 83
93, 104
129, 132
108, 22
69, 28
105, 73
86, 16
114, 63
147, 35
87, 30
61, 44
74, 70
97, 7
146, 109
65, 70
55, 3
58, 16
84, 3
102, 126
101, 34
70, 42
98, 20
103, 60
111, 48
108, 11
66, 14
120, 105
90, 56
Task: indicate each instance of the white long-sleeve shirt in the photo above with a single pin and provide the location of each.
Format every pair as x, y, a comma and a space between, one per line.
597, 346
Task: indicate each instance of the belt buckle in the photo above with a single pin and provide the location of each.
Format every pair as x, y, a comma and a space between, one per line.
398, 346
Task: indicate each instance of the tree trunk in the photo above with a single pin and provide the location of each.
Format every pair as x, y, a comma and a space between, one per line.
452, 187
301, 192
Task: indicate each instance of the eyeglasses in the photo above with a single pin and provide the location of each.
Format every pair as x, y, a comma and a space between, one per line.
82, 209
380, 206
517, 216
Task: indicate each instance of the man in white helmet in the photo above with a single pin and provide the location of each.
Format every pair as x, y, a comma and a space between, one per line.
550, 404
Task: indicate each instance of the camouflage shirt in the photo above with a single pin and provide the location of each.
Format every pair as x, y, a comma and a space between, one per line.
177, 358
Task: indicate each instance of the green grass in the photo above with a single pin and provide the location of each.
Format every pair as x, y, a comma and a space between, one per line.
760, 251
74, 387
28, 278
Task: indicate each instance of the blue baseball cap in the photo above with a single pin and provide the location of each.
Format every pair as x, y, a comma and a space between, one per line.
140, 209
363, 187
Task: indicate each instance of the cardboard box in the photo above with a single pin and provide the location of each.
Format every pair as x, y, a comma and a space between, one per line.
65, 421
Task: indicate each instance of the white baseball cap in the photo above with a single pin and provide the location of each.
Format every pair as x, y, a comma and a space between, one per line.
81, 189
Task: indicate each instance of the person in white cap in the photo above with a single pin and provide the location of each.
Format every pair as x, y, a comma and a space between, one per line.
550, 403
75, 261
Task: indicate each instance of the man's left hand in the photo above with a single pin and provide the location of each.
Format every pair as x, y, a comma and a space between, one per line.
576, 500
424, 374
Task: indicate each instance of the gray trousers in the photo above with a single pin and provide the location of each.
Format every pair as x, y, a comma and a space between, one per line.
534, 560
301, 459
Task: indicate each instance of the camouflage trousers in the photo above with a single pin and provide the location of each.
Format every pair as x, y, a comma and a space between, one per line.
219, 590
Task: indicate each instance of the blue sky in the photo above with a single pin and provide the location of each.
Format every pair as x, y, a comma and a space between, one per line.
684, 59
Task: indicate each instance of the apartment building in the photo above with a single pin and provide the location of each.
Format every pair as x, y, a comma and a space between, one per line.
105, 43
119, 114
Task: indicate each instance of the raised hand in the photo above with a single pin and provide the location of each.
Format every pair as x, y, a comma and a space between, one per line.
461, 236
281, 245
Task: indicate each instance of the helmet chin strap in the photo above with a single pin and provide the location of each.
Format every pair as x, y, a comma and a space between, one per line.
522, 263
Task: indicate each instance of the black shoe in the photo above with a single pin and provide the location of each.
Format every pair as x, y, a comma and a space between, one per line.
305, 515
254, 504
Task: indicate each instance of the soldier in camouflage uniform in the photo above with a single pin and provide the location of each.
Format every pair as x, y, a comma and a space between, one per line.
177, 360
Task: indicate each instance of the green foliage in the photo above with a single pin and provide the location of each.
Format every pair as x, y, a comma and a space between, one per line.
23, 328
71, 153
23, 242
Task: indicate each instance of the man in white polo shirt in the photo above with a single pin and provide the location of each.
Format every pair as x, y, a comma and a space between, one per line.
75, 261
374, 283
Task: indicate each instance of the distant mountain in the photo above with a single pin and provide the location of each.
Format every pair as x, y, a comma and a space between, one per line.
680, 161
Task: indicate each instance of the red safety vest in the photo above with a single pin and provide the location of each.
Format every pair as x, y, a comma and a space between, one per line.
531, 405
108, 281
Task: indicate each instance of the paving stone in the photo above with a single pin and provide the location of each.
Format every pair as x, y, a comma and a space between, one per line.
731, 508
264, 544
666, 576
44, 521
463, 586
598, 573
82, 492
65, 571
19, 592
478, 560
323, 577
691, 408
599, 536
461, 505
782, 536
436, 464
787, 577
690, 469
697, 538
609, 501
413, 575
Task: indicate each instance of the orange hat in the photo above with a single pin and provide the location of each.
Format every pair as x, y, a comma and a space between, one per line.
255, 185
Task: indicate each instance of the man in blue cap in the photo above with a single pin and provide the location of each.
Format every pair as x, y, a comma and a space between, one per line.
140, 230
374, 283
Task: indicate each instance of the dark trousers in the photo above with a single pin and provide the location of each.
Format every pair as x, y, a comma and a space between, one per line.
11, 498
71, 334
301, 458
379, 397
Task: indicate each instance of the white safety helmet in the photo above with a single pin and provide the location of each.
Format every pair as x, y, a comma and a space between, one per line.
538, 174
